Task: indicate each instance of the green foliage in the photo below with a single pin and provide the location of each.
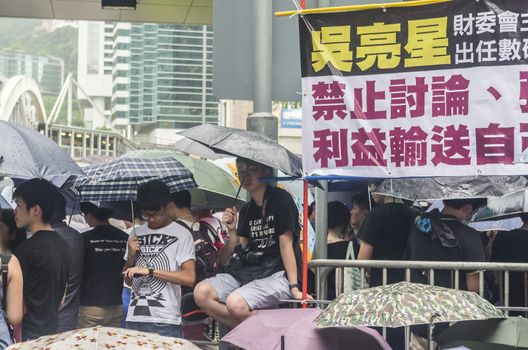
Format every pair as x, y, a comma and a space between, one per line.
27, 35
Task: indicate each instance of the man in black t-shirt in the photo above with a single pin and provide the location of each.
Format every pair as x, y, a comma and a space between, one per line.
45, 258
449, 239
70, 307
102, 284
384, 233
263, 269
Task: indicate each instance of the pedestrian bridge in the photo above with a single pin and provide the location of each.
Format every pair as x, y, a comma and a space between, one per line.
21, 103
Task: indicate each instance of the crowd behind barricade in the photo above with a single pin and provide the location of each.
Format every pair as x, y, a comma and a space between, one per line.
172, 266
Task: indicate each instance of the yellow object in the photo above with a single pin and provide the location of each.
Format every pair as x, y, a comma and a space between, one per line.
359, 7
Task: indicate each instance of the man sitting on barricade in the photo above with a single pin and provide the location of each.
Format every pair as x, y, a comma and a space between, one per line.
263, 269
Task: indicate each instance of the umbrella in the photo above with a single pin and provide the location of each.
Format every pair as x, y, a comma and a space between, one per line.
496, 334
194, 148
506, 206
216, 188
105, 338
26, 154
405, 304
118, 180
247, 144
297, 329
430, 189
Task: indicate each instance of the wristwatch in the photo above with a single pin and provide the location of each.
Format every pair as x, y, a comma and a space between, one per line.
294, 285
151, 272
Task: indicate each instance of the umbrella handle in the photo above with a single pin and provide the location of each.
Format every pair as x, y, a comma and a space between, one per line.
238, 192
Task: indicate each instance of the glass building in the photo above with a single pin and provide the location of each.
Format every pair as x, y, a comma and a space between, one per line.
161, 74
48, 72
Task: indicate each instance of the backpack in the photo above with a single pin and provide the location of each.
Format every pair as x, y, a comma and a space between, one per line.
205, 244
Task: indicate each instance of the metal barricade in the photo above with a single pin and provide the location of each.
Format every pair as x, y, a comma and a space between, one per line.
323, 267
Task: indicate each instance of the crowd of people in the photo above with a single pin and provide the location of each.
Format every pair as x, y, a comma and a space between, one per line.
58, 279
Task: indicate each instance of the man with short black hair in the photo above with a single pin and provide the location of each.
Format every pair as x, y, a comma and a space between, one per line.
160, 260
45, 258
70, 307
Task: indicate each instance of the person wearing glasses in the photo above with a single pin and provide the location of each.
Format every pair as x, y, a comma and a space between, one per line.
102, 281
160, 259
264, 267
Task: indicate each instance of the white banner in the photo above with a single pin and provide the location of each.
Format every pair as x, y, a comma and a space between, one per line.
469, 121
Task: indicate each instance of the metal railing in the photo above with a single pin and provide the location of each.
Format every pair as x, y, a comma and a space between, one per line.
323, 267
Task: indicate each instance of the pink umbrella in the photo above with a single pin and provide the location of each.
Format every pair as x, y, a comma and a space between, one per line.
286, 329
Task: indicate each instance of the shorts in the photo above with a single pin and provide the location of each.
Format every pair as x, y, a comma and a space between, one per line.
265, 293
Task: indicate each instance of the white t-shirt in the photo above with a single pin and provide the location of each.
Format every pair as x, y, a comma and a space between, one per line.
154, 300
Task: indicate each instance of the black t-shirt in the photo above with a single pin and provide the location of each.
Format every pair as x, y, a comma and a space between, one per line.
70, 308
263, 225
422, 247
386, 228
336, 250
45, 259
512, 246
102, 285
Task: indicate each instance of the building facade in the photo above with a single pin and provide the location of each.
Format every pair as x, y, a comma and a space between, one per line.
47, 71
160, 76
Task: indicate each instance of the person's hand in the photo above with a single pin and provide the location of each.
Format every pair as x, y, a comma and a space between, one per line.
297, 294
229, 218
133, 246
135, 272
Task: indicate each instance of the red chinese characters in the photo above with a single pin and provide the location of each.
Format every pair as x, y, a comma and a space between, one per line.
331, 145
403, 95
408, 146
451, 145
450, 97
369, 147
329, 100
494, 145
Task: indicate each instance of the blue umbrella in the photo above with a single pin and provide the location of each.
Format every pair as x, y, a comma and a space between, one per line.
118, 180
26, 154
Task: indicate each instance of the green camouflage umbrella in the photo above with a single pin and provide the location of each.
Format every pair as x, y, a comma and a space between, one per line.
216, 188
405, 304
496, 334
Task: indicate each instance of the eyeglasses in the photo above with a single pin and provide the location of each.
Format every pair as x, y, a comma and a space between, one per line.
146, 215
250, 171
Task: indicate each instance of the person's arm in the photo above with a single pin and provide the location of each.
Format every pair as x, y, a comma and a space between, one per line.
229, 219
14, 299
365, 251
472, 282
132, 251
289, 262
185, 277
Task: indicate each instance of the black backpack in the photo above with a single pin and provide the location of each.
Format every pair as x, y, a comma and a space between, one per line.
207, 256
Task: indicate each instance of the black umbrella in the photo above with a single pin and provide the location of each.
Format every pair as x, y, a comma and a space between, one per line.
26, 154
247, 144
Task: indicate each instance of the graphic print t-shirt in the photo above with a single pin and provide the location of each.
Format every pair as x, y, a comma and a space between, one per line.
154, 300
263, 225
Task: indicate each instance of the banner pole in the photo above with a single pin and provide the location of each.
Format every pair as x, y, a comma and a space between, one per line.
305, 246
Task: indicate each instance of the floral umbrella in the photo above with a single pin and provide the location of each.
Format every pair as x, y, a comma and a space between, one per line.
105, 338
405, 304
